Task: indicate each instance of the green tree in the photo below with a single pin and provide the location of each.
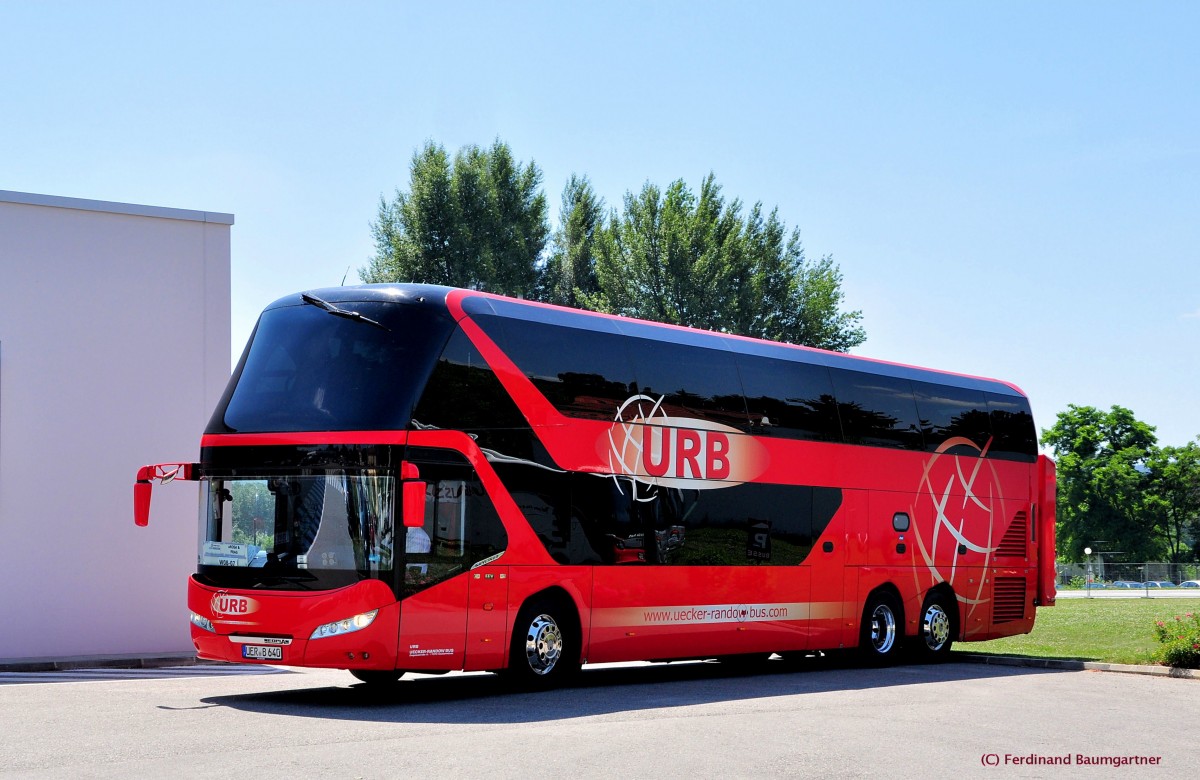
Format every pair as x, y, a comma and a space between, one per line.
791, 299
569, 275
693, 259
1104, 482
1174, 497
477, 221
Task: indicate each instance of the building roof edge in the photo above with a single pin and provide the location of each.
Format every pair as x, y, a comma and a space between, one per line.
133, 209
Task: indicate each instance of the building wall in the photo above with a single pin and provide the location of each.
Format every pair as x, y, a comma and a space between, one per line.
114, 349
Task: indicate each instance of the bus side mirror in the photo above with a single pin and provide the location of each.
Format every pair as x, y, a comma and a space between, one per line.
141, 502
144, 484
413, 502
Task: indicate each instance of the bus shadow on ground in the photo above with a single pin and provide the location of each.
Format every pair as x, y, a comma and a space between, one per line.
490, 699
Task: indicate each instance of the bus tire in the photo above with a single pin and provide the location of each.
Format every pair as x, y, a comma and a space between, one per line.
936, 630
545, 650
882, 632
377, 678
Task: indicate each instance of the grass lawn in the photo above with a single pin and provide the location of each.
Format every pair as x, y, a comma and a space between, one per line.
1119, 631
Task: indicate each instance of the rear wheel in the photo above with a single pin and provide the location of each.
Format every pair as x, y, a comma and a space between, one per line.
545, 651
882, 630
936, 629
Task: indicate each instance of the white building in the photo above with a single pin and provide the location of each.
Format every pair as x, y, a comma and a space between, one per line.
114, 349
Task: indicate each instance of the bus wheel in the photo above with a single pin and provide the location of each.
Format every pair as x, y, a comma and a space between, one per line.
937, 628
882, 630
377, 678
544, 650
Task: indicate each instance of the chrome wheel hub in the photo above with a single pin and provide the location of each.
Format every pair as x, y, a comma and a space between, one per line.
883, 629
935, 627
543, 644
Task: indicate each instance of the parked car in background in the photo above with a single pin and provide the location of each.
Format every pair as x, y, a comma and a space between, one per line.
1190, 584
1126, 584
1161, 584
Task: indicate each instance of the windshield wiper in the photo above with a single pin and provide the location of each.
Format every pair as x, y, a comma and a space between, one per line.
335, 311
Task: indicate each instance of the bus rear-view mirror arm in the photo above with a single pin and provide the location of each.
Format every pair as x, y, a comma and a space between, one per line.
163, 473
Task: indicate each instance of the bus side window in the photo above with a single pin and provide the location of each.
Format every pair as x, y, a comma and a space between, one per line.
606, 513
953, 412
544, 496
461, 523
877, 410
791, 400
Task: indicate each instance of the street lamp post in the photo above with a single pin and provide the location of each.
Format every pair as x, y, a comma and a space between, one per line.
1087, 583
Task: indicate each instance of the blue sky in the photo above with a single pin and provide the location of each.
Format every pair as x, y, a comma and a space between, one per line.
1010, 190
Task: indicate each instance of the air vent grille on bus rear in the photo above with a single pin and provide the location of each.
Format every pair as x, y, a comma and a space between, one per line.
1014, 544
1008, 603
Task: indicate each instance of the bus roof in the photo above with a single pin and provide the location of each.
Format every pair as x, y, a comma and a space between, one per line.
476, 302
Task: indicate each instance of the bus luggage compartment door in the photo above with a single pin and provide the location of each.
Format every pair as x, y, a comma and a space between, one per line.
487, 617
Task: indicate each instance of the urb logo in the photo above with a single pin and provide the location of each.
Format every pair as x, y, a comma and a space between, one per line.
223, 604
654, 448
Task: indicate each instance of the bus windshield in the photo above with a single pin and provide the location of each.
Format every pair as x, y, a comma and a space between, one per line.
308, 531
356, 368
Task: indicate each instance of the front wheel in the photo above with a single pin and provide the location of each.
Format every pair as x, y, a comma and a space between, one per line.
936, 629
882, 630
544, 649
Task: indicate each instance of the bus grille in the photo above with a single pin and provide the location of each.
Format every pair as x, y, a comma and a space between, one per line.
1008, 603
1013, 545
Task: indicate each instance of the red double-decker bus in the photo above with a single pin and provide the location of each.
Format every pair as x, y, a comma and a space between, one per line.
415, 478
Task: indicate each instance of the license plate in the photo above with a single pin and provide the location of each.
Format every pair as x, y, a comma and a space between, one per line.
262, 653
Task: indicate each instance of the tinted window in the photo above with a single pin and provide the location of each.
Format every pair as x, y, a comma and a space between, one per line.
461, 524
544, 496
877, 410
308, 370
464, 394
791, 400
746, 525
692, 381
583, 373
953, 412
616, 523
1012, 425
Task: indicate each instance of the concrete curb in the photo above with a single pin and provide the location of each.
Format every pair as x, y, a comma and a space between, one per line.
102, 662
189, 659
1065, 665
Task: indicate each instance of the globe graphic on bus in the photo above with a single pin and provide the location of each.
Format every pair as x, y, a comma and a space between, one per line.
626, 448
956, 520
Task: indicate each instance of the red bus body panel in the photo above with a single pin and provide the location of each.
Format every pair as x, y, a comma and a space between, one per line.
984, 527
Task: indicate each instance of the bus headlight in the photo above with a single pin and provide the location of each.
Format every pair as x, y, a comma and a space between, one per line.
199, 621
349, 625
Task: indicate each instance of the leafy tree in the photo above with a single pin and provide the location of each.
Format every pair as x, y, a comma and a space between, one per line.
569, 275
1104, 481
477, 221
791, 299
1174, 497
693, 259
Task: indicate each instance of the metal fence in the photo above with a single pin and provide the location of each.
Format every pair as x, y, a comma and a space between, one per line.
1107, 574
